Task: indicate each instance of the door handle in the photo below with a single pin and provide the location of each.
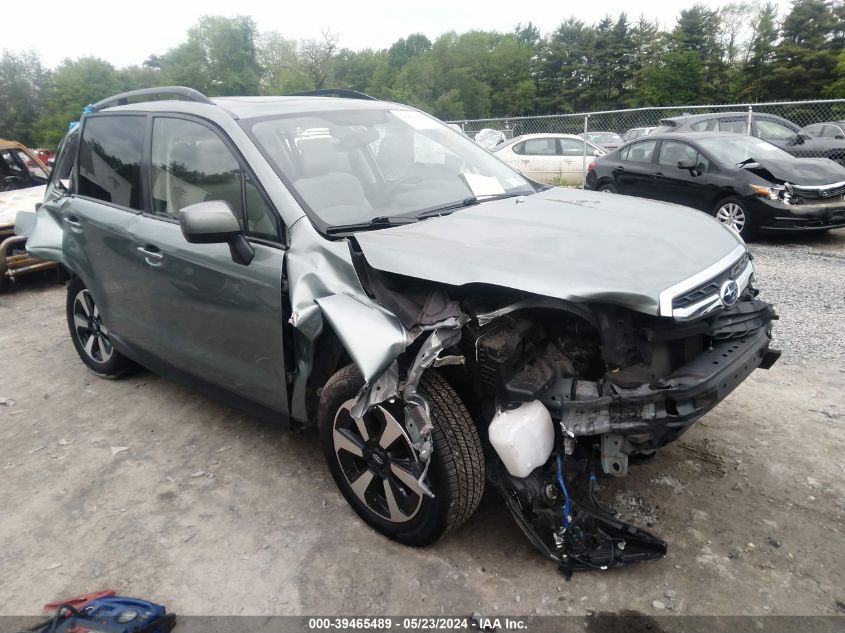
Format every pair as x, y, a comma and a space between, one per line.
152, 254
73, 222
658, 173
618, 169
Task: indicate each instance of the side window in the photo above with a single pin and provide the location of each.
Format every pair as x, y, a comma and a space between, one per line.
37, 173
65, 156
641, 152
814, 130
833, 131
735, 126
191, 164
673, 151
539, 147
701, 126
110, 159
571, 147
13, 172
772, 130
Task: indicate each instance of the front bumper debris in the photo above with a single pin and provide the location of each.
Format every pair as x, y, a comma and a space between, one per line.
661, 412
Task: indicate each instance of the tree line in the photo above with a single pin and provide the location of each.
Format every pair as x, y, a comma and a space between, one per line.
744, 51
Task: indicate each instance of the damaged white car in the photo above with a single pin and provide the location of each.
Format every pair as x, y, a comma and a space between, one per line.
357, 266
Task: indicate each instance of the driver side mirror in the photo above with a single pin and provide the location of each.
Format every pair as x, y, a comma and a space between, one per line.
212, 222
688, 164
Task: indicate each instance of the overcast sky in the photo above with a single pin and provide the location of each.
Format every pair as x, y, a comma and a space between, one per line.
128, 32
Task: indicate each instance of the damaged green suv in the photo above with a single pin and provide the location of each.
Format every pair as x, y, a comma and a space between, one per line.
357, 266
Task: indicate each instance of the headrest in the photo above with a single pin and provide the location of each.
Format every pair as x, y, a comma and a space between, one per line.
318, 156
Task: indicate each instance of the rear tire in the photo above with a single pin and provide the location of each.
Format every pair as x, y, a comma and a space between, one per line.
366, 472
733, 213
607, 187
90, 335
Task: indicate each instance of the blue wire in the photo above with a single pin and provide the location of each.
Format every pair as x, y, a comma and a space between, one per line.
565, 493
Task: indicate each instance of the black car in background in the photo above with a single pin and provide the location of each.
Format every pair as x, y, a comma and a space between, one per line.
748, 184
777, 130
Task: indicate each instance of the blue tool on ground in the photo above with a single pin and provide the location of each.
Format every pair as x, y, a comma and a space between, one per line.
109, 614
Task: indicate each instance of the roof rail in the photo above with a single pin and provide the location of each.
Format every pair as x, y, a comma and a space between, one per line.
332, 92
185, 94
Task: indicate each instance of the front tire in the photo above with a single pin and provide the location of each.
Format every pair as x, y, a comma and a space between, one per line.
733, 213
376, 468
89, 334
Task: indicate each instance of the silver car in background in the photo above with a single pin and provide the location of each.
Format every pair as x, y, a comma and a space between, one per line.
558, 159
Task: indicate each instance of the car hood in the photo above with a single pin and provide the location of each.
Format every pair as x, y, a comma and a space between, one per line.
563, 243
800, 171
19, 200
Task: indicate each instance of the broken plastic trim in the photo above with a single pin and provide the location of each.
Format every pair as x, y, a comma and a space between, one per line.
417, 416
593, 538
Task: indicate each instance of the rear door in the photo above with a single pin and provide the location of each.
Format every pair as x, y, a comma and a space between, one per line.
98, 219
574, 160
634, 175
207, 315
538, 158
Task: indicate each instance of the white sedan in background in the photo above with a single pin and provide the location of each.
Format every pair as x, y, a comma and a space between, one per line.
554, 158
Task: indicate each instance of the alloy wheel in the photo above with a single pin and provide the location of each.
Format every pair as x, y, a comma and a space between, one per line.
379, 462
732, 216
89, 328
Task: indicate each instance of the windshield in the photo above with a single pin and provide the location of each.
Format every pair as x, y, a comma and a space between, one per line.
354, 166
604, 137
734, 149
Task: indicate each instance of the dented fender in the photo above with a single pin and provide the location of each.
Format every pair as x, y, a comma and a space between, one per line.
372, 336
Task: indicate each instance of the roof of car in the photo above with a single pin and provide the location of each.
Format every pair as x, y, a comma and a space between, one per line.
7, 144
523, 137
686, 118
686, 136
183, 99
250, 107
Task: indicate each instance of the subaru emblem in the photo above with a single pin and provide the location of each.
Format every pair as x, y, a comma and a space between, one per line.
729, 293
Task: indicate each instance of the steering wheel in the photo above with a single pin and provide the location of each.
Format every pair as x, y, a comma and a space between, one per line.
10, 183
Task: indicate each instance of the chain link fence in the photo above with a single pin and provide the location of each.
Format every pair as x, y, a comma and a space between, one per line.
568, 143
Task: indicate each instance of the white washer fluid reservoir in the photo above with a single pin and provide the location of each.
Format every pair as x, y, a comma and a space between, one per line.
523, 437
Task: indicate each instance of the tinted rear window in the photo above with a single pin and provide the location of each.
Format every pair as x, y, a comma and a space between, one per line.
110, 159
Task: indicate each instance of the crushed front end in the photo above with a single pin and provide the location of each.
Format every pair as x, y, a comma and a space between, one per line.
564, 392
570, 392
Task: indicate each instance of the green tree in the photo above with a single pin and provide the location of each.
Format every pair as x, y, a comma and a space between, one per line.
22, 81
565, 68
218, 58
806, 57
761, 49
282, 72
74, 85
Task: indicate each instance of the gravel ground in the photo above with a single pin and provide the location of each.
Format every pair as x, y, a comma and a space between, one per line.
806, 282
147, 487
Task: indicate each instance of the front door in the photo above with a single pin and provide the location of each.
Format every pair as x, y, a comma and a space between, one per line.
681, 186
208, 315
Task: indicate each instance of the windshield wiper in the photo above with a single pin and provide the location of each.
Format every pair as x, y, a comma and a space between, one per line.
378, 222
745, 162
466, 202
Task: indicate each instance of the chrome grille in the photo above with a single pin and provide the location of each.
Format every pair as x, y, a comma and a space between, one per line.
711, 287
820, 192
